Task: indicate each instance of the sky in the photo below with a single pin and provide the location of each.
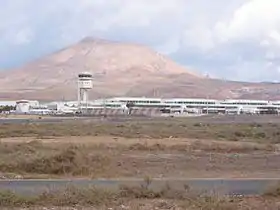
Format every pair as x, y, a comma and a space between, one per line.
232, 39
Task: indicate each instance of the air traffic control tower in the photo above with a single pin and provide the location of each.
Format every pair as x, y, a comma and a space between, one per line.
84, 85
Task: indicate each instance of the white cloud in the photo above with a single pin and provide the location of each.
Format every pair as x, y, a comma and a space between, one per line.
274, 35
199, 37
255, 19
23, 36
234, 39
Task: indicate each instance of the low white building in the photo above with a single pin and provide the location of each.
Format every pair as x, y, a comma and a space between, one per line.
7, 103
62, 107
22, 107
40, 110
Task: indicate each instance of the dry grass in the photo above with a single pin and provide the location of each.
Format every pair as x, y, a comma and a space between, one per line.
36, 158
138, 148
67, 197
273, 191
225, 147
93, 197
206, 147
133, 198
107, 159
176, 128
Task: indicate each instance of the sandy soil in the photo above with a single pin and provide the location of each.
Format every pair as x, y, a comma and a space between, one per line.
253, 203
110, 140
175, 158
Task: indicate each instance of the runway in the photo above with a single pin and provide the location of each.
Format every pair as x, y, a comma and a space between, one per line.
60, 119
42, 120
23, 121
213, 119
220, 186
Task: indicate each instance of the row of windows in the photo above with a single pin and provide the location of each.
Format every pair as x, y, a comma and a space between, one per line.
85, 83
190, 102
112, 105
210, 102
85, 75
243, 103
147, 102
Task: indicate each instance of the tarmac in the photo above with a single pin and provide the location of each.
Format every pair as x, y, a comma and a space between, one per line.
213, 119
208, 186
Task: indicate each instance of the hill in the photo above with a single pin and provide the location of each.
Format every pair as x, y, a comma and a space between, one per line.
119, 69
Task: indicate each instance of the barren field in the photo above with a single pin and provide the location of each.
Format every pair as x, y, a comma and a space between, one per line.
207, 147
158, 148
115, 157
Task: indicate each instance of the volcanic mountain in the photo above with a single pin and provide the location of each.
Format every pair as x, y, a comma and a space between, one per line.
119, 69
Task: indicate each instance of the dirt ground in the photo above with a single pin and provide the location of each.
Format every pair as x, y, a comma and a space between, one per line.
250, 203
201, 147
209, 147
159, 158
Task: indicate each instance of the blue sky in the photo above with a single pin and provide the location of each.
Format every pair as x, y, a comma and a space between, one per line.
233, 39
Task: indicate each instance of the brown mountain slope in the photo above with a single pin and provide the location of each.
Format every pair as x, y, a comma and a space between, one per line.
119, 69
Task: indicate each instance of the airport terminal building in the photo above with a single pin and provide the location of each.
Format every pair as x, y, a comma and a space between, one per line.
124, 105
133, 105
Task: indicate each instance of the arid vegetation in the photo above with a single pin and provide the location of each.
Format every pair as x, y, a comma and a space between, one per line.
159, 128
111, 157
157, 148
141, 197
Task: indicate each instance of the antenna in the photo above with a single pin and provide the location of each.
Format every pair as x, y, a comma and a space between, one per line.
207, 75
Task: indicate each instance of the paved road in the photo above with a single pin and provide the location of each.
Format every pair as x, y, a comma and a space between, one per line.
222, 186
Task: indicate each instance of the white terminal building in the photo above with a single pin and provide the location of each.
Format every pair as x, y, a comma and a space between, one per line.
171, 105
196, 105
165, 105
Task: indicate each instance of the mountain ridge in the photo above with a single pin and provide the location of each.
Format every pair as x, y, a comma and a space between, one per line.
119, 69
